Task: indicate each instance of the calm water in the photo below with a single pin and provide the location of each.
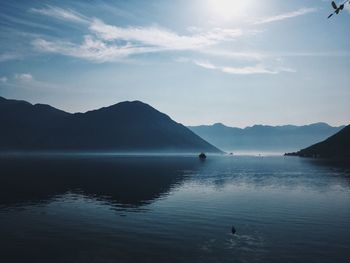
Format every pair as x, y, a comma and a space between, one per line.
173, 209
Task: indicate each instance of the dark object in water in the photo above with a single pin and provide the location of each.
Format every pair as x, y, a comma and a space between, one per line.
233, 230
202, 156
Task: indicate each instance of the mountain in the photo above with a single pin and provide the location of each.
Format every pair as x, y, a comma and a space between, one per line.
126, 126
264, 137
335, 147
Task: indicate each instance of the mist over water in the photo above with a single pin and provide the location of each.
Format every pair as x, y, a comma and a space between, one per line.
162, 208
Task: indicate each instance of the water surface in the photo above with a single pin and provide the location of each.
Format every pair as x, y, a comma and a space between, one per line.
90, 208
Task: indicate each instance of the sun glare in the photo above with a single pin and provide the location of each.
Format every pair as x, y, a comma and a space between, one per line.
229, 9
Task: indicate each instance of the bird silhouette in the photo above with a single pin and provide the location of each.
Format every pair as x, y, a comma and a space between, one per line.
337, 9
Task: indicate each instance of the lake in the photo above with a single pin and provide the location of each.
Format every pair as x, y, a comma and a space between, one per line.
114, 208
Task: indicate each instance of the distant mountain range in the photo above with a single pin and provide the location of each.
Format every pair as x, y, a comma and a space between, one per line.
335, 147
263, 137
126, 126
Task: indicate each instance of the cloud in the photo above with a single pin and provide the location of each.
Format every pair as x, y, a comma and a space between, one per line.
161, 37
62, 14
258, 69
28, 82
242, 55
263, 55
91, 49
9, 56
338, 53
23, 77
107, 43
205, 64
110, 43
347, 7
247, 70
16, 20
280, 17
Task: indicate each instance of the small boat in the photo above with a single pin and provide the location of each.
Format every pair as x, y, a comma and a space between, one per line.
202, 156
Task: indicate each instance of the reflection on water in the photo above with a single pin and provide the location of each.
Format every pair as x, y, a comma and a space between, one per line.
173, 209
122, 181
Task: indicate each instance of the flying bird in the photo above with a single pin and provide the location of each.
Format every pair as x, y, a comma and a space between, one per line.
337, 9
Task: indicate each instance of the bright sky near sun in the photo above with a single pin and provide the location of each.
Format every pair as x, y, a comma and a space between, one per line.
201, 61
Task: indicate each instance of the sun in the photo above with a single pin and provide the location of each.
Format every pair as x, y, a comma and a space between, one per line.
226, 10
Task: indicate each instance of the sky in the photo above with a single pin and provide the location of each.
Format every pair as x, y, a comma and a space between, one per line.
201, 62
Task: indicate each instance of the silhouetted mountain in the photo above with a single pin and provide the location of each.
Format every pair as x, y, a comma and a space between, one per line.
264, 137
126, 126
335, 147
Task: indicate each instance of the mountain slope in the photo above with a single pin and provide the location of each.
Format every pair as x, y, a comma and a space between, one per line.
264, 137
126, 126
336, 146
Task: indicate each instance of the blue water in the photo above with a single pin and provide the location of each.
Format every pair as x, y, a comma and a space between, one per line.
173, 209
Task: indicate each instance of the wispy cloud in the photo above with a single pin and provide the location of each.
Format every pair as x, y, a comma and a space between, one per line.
263, 55
338, 53
107, 43
23, 77
9, 56
241, 55
91, 49
280, 17
347, 7
247, 70
161, 37
11, 20
110, 42
257, 69
205, 64
29, 82
60, 13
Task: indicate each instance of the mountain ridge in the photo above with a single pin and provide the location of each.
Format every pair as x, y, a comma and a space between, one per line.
336, 146
265, 137
124, 126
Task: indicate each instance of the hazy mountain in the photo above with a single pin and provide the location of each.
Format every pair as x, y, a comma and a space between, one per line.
263, 137
126, 126
336, 146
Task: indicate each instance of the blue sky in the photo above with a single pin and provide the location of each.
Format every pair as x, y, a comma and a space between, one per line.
202, 61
